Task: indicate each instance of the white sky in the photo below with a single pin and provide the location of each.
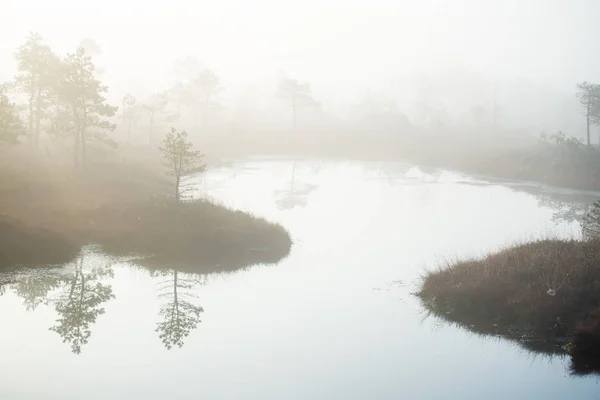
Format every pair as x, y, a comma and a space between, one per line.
342, 47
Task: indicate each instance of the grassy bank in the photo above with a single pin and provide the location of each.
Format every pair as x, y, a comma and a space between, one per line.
545, 291
557, 160
197, 236
48, 211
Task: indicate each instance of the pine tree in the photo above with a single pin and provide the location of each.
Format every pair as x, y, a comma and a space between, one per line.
180, 158
84, 95
11, 125
38, 67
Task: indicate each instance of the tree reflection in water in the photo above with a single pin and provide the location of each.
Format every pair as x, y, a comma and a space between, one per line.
178, 312
79, 303
297, 194
35, 287
75, 291
78, 291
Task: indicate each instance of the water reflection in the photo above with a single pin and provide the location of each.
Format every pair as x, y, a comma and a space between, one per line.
178, 312
569, 207
331, 273
78, 292
393, 172
79, 303
297, 194
35, 286
536, 347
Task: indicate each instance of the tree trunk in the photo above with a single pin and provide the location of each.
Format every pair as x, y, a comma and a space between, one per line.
177, 178
76, 148
175, 284
83, 148
588, 122
38, 117
31, 99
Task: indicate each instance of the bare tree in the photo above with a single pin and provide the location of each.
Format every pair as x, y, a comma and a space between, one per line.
180, 158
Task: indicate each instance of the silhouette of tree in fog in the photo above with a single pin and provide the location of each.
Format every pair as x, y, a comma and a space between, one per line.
180, 159
93, 49
179, 315
154, 105
129, 112
11, 125
589, 96
79, 304
180, 95
186, 68
297, 95
84, 94
380, 111
90, 46
38, 69
205, 87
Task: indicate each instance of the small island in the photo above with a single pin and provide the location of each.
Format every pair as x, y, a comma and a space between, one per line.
543, 294
128, 207
126, 210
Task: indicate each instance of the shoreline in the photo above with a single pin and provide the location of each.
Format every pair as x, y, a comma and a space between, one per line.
48, 213
541, 294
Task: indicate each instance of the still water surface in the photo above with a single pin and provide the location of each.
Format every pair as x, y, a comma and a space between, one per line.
334, 320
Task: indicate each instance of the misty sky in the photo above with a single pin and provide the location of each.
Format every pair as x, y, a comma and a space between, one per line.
342, 47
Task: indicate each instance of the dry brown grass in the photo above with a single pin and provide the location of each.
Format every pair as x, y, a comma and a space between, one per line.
529, 285
197, 236
544, 290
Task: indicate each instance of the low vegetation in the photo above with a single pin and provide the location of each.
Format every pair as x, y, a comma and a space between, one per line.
48, 211
542, 292
557, 159
197, 236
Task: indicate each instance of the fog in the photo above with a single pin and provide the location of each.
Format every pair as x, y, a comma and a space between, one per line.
300, 189
461, 58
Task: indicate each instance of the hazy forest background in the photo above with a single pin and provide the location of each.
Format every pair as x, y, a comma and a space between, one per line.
296, 80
